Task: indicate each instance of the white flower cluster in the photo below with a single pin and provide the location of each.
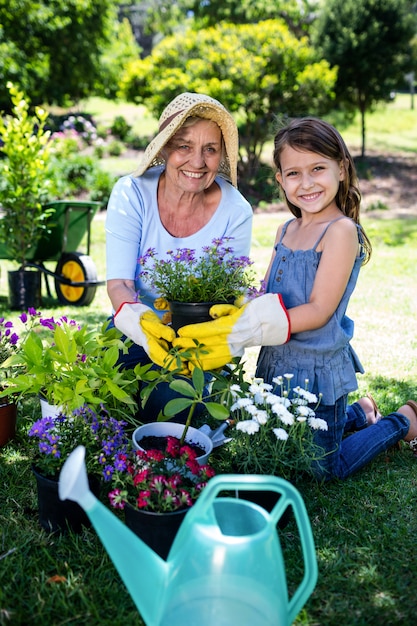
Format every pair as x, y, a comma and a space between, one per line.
261, 403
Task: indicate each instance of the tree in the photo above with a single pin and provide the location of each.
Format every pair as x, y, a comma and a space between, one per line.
164, 15
369, 42
260, 71
114, 57
51, 49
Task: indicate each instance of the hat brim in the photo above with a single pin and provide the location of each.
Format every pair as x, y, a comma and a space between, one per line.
206, 110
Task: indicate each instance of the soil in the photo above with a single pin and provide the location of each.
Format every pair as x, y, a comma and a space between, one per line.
153, 442
388, 184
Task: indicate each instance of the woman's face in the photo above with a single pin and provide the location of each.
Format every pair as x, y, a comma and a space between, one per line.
193, 156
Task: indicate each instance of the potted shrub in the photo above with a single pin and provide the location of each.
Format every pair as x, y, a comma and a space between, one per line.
24, 184
52, 439
197, 391
71, 365
192, 283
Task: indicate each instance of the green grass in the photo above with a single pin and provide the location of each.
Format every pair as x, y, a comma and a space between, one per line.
392, 127
363, 527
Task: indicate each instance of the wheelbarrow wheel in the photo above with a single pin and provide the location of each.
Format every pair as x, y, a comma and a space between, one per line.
77, 267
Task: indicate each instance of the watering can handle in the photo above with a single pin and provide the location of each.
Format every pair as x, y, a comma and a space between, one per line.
289, 497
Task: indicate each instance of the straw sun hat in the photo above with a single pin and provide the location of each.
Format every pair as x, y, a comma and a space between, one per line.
174, 115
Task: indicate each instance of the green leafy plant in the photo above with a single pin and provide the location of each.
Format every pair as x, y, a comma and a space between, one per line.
24, 177
71, 365
54, 438
183, 276
209, 391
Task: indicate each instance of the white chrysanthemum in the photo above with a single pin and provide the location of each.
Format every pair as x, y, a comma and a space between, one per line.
285, 416
250, 427
288, 376
261, 417
243, 402
278, 380
305, 411
272, 399
307, 395
301, 419
280, 433
251, 409
259, 397
317, 423
235, 389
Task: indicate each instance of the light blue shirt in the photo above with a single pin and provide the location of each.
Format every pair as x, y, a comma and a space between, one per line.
133, 225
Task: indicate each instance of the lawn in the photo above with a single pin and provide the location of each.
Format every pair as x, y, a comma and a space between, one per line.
363, 527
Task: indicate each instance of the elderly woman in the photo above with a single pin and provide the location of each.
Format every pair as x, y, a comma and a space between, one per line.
183, 195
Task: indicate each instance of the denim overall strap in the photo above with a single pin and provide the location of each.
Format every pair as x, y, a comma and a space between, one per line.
325, 230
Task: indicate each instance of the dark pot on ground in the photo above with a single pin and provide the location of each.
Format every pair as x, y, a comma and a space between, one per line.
57, 515
157, 530
8, 412
24, 289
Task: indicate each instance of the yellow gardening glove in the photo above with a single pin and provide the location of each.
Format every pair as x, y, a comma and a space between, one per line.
263, 321
138, 322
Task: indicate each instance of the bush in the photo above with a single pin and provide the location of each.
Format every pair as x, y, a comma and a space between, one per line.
115, 148
120, 128
100, 185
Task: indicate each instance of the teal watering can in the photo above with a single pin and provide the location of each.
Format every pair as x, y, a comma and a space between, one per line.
225, 566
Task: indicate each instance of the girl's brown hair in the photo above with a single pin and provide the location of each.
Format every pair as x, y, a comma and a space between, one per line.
315, 135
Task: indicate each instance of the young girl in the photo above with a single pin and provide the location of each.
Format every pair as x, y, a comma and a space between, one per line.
302, 321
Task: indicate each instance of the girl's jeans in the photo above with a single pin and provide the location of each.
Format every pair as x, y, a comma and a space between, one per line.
347, 453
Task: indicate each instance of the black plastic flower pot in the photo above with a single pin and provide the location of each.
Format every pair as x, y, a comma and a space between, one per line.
24, 289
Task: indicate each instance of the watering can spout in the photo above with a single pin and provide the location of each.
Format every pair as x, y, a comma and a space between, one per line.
141, 569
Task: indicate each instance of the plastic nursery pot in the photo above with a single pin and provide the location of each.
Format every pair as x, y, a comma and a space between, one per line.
157, 530
172, 429
184, 313
56, 515
8, 411
24, 289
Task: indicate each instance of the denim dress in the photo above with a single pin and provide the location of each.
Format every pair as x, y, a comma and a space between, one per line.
322, 356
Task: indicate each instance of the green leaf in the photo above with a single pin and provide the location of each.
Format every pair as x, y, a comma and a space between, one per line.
198, 379
181, 386
176, 406
218, 411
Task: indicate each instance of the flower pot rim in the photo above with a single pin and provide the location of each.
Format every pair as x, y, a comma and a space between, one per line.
205, 440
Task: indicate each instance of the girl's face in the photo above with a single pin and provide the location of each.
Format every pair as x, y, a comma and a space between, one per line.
310, 181
193, 156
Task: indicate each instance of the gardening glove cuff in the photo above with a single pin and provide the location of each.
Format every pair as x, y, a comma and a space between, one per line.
138, 322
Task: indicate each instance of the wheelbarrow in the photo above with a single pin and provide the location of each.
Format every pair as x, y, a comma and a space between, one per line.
75, 274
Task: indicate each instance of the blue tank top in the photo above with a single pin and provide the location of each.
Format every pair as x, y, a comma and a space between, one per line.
322, 356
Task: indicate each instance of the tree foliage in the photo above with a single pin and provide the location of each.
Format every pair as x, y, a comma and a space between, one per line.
114, 57
164, 16
369, 41
51, 48
259, 71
